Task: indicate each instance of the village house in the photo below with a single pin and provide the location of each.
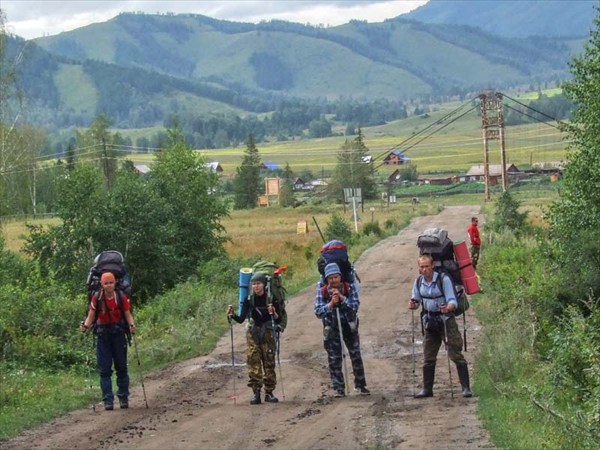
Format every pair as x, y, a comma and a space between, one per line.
214, 167
396, 158
476, 173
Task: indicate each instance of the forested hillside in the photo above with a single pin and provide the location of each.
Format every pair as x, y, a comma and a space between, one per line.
394, 59
513, 18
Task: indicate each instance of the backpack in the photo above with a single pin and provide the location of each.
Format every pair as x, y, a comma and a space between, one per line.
274, 279
275, 288
336, 251
435, 242
109, 261
461, 297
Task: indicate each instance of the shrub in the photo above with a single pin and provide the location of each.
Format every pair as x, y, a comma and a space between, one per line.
372, 228
338, 228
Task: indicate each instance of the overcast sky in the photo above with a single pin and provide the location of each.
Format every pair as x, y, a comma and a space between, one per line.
30, 19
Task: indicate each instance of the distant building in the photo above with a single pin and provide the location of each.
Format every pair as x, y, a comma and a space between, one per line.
214, 167
300, 185
141, 169
396, 158
395, 177
436, 181
269, 165
476, 173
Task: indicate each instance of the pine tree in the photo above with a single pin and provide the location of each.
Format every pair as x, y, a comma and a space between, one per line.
351, 171
286, 193
247, 184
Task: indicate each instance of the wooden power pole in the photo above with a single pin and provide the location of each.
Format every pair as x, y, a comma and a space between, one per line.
492, 125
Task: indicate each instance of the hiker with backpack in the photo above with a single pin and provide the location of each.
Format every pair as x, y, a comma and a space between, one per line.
266, 317
109, 315
336, 304
474, 240
439, 302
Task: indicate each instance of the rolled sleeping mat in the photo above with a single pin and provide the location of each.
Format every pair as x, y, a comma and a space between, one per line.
467, 272
245, 276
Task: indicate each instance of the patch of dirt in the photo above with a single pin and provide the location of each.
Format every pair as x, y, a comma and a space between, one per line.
192, 404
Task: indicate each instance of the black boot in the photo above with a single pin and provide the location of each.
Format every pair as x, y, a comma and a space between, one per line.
270, 398
428, 377
256, 399
463, 376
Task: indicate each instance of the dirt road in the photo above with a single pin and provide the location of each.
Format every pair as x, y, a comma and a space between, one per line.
191, 404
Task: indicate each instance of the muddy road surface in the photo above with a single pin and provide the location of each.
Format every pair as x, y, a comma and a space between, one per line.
192, 404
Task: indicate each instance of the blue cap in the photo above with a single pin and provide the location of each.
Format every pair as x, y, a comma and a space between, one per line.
332, 269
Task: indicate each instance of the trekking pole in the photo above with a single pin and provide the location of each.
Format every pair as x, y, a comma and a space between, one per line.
465, 329
317, 225
413, 352
230, 320
448, 354
89, 371
276, 336
344, 367
137, 355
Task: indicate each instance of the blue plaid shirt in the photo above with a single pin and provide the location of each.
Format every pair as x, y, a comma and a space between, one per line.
321, 308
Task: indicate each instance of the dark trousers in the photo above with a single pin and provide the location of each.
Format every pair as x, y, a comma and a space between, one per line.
333, 346
434, 339
111, 347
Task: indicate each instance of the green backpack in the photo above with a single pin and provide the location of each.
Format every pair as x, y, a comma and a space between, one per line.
275, 283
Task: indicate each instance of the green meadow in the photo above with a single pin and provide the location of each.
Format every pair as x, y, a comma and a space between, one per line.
436, 148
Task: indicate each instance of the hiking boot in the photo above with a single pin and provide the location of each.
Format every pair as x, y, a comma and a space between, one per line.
270, 398
339, 393
108, 406
256, 399
463, 376
123, 403
363, 390
428, 378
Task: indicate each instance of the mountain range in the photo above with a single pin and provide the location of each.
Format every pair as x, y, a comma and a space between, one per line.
141, 68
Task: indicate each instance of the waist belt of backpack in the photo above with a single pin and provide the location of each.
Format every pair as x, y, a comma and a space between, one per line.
110, 326
432, 313
432, 298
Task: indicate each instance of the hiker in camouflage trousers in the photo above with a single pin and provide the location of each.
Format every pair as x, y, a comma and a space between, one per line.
332, 298
260, 337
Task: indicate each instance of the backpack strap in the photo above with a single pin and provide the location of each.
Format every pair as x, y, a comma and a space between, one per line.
439, 283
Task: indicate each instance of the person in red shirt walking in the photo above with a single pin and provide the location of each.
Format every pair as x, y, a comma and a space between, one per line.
475, 241
110, 316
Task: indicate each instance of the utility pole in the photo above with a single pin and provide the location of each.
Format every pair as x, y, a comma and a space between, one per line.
492, 124
500, 115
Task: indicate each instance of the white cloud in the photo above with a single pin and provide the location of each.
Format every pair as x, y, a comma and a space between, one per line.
32, 18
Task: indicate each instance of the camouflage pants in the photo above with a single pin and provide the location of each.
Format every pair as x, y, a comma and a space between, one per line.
260, 358
333, 346
433, 341
474, 255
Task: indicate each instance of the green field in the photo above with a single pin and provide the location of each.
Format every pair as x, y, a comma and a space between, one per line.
452, 149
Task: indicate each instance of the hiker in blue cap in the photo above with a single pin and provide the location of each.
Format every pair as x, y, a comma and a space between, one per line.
336, 304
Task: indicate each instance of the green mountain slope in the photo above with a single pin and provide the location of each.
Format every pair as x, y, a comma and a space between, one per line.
513, 18
394, 59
